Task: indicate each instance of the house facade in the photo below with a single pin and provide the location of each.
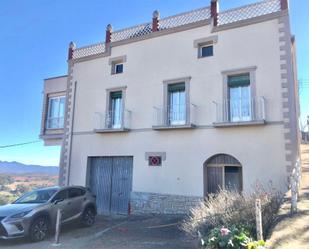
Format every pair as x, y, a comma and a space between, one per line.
164, 113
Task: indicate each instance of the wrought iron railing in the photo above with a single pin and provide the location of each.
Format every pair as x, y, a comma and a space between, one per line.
113, 120
175, 115
249, 11
240, 110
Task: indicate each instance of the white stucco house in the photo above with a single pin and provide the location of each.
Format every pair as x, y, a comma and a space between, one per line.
161, 114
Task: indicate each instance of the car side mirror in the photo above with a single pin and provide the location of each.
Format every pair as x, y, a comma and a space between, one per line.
57, 201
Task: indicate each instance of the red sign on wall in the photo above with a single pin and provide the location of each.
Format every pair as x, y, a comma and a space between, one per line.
154, 161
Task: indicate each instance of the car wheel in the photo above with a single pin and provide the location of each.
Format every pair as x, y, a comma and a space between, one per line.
88, 217
39, 229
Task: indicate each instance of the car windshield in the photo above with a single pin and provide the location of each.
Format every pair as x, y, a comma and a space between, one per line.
36, 196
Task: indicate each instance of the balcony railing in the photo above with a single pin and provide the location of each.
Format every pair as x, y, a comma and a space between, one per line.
55, 123
113, 121
175, 116
240, 110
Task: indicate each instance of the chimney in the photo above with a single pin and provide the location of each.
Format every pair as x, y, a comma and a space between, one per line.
155, 21
108, 35
284, 4
72, 46
214, 8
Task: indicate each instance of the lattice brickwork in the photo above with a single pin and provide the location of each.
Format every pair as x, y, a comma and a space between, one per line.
249, 11
184, 18
95, 49
226, 17
132, 32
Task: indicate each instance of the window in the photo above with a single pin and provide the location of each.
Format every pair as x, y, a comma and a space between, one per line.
239, 97
76, 192
62, 195
37, 196
226, 177
176, 108
55, 114
232, 178
205, 46
117, 64
115, 113
206, 50
118, 68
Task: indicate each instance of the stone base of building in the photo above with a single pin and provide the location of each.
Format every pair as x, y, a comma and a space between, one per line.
153, 203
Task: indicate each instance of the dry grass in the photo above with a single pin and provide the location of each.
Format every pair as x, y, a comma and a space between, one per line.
293, 232
230, 208
33, 179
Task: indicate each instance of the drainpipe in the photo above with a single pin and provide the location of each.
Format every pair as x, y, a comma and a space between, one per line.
214, 10
155, 21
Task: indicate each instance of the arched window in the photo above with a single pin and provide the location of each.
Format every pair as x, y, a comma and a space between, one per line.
222, 171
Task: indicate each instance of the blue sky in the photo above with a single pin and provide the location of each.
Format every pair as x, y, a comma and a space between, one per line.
34, 36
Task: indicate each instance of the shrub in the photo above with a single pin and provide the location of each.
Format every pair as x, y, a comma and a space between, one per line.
226, 238
230, 208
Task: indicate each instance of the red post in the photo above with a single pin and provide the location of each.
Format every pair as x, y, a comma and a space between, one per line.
108, 36
214, 11
284, 4
155, 21
72, 46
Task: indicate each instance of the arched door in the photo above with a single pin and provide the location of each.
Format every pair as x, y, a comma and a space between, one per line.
222, 171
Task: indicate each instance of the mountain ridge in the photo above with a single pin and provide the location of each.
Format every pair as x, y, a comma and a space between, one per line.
20, 168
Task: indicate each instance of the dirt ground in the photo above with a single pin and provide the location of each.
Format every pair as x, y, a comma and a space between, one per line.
133, 232
293, 232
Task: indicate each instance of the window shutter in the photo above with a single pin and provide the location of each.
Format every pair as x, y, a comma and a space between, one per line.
176, 87
239, 80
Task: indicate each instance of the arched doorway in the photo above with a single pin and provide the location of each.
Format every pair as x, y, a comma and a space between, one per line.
222, 171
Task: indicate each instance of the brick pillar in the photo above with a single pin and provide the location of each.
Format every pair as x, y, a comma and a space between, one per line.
284, 4
108, 36
72, 46
214, 8
155, 21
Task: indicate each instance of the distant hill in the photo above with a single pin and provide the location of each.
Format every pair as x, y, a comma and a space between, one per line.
19, 168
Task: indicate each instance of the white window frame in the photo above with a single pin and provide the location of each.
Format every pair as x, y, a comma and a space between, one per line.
166, 96
113, 62
108, 118
60, 120
252, 74
205, 42
210, 44
115, 67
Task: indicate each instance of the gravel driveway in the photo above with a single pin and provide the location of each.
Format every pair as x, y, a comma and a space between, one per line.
134, 232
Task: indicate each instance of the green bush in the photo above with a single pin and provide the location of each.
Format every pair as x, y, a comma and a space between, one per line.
233, 238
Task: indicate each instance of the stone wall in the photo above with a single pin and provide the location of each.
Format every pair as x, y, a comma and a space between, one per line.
152, 203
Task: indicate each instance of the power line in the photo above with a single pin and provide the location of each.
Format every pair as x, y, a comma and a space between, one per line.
19, 144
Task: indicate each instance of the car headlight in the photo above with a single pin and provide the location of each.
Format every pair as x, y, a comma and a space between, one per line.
20, 215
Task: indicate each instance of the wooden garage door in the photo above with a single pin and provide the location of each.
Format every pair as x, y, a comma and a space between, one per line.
111, 182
